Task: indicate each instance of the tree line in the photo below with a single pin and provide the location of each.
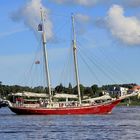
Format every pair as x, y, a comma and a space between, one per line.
92, 91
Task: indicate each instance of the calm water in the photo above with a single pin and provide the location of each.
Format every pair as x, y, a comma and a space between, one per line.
122, 124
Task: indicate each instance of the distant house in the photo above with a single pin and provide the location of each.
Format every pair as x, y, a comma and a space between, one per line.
118, 91
136, 88
139, 96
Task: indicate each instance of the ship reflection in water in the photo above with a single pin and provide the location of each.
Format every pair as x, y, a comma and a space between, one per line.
122, 124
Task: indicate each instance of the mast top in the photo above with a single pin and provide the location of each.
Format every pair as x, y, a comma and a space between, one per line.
73, 27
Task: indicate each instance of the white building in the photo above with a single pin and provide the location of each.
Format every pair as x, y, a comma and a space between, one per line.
118, 91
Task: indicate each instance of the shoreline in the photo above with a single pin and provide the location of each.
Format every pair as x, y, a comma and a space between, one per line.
130, 104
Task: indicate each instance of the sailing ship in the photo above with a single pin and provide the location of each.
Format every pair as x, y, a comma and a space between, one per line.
79, 107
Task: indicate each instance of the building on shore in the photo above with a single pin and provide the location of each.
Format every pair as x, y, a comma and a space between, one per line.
118, 91
136, 89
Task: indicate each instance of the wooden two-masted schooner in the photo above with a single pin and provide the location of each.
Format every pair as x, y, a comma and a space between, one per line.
56, 108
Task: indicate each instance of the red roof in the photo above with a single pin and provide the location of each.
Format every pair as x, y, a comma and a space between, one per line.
136, 88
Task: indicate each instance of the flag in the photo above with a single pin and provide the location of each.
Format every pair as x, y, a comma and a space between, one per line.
37, 62
40, 27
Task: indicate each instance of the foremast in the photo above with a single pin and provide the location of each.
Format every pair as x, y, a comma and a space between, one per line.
75, 59
45, 54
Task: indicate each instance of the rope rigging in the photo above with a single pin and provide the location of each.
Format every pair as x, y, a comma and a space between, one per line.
92, 60
87, 57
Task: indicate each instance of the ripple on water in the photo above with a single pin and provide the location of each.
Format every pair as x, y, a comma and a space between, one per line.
122, 124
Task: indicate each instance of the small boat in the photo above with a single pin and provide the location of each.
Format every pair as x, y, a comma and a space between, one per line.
53, 107
3, 103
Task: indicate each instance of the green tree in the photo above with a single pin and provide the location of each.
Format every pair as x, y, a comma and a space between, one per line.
70, 90
1, 89
59, 89
88, 91
82, 88
95, 89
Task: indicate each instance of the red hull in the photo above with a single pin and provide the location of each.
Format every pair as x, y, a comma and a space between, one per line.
96, 109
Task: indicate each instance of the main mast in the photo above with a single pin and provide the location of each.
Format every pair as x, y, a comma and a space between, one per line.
45, 56
75, 60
